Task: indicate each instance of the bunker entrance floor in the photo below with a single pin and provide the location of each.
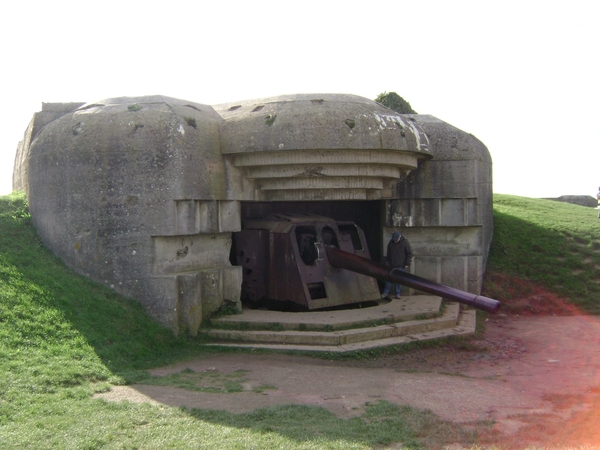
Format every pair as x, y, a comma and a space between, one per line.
390, 322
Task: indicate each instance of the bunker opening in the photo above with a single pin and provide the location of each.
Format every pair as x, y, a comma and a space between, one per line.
299, 261
366, 214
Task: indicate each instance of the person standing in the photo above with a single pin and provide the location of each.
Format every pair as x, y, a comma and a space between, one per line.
598, 198
399, 256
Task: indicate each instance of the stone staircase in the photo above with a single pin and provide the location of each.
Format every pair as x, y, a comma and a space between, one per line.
396, 322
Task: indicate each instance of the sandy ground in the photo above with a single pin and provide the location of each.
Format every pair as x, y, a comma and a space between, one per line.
536, 378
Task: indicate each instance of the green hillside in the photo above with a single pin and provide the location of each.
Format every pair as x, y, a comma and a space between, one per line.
544, 244
63, 338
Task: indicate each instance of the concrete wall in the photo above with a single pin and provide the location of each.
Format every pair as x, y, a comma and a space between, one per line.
49, 112
119, 190
143, 193
445, 208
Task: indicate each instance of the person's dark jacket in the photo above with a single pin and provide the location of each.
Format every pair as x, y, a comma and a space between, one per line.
399, 254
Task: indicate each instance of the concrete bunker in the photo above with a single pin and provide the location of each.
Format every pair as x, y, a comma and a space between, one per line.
145, 193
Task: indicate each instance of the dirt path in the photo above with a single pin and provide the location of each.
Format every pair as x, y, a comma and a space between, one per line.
537, 378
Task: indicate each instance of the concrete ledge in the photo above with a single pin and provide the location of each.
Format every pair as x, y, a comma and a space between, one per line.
465, 326
453, 321
400, 310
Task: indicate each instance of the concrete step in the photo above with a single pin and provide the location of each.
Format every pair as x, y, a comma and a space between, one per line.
389, 323
386, 311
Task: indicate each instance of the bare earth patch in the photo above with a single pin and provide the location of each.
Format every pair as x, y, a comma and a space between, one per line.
536, 377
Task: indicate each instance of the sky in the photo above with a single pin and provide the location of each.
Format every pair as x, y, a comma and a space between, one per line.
522, 76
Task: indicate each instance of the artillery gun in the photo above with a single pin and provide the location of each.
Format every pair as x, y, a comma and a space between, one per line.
315, 262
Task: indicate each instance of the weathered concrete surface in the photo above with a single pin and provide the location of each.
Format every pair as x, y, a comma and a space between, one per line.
143, 193
320, 147
133, 193
447, 204
49, 112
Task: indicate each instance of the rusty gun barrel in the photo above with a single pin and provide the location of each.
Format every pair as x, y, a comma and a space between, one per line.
344, 260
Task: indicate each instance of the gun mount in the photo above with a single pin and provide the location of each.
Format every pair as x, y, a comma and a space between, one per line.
317, 262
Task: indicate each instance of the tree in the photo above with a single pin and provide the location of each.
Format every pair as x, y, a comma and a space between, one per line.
395, 103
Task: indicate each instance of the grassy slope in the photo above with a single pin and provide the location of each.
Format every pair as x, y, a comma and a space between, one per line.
555, 245
63, 337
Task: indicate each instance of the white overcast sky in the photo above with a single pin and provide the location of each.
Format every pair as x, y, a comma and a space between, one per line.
522, 76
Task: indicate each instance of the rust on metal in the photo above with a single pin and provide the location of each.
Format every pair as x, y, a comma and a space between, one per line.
283, 259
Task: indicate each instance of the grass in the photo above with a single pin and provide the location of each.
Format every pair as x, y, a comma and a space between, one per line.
553, 244
209, 381
64, 338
